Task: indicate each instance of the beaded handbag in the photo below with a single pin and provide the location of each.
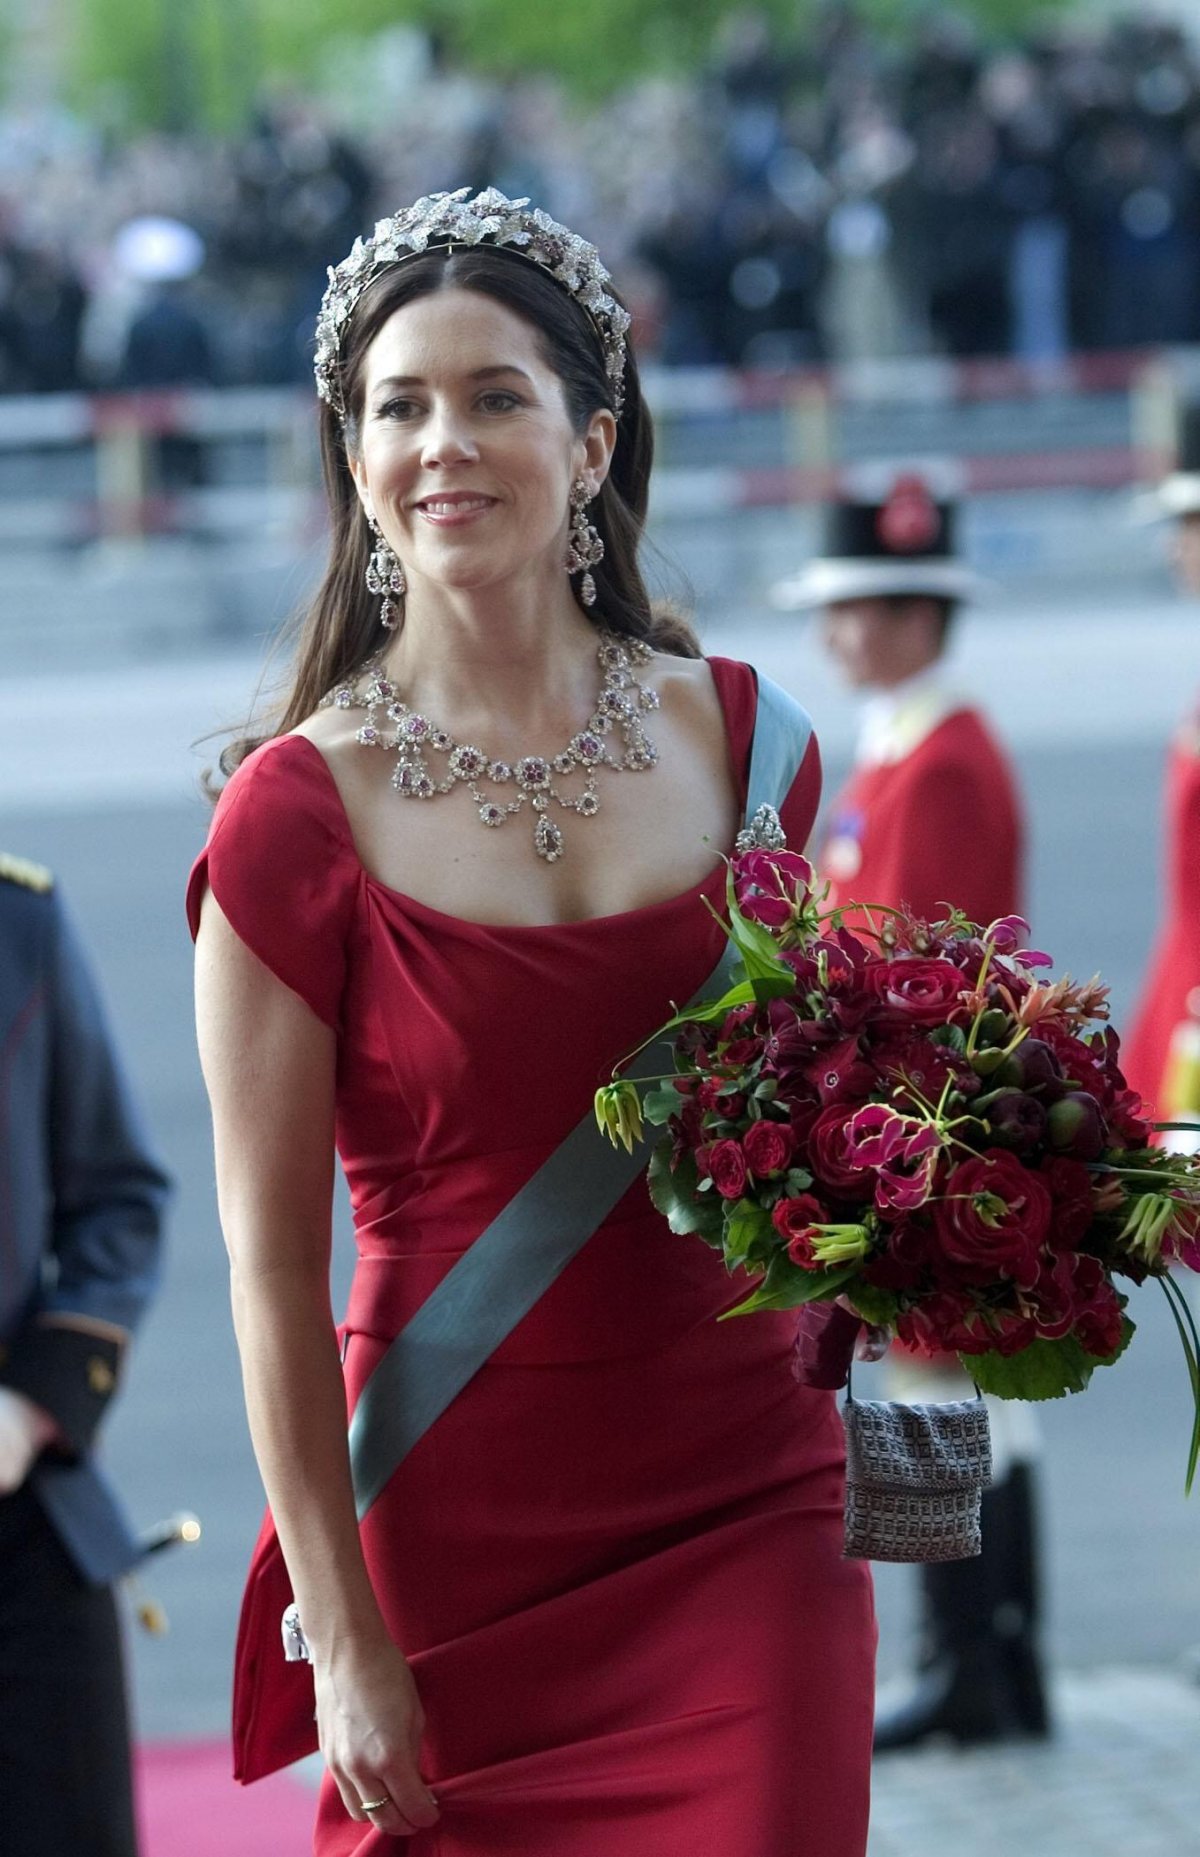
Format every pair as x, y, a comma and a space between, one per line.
914, 1478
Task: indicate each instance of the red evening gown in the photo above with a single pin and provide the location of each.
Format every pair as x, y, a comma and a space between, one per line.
615, 1562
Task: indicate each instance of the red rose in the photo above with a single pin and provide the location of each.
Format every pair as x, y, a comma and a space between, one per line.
923, 992
991, 1218
768, 1147
725, 1165
829, 1156
794, 1219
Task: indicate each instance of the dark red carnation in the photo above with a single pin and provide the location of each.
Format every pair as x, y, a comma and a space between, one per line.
903, 1261
1084, 1064
840, 1074
721, 1096
768, 1147
949, 1320
1053, 1296
1070, 1186
687, 1131
908, 1057
1098, 1320
786, 1048
945, 1321
991, 1219
1126, 1119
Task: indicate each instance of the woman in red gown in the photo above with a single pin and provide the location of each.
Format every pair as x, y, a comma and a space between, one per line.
600, 1608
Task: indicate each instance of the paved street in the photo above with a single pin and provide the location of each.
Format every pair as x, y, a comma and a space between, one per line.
1120, 1780
95, 776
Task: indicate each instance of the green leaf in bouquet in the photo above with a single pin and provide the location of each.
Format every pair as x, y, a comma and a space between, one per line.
786, 1286
674, 1192
710, 1013
660, 1104
1185, 1322
1043, 1370
797, 1180
748, 1228
878, 1307
951, 1036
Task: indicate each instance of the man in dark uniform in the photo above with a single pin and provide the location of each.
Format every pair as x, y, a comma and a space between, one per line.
930, 817
81, 1200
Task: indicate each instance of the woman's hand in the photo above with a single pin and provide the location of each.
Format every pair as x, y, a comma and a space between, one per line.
871, 1344
370, 1722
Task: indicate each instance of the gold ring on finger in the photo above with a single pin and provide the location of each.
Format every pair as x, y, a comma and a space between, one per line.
375, 1805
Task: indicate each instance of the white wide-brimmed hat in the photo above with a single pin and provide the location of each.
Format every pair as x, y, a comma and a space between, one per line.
894, 540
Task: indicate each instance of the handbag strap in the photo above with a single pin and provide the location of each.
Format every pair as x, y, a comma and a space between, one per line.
514, 1261
850, 1399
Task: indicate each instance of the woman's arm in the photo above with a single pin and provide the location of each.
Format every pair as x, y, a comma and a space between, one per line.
269, 1064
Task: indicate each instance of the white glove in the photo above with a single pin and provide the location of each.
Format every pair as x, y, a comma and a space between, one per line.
25, 1430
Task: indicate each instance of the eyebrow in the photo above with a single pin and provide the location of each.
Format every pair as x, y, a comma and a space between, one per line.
393, 381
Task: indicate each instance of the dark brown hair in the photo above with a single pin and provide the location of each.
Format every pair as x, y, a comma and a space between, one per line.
339, 629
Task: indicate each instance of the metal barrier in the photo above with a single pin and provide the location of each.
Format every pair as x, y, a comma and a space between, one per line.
727, 441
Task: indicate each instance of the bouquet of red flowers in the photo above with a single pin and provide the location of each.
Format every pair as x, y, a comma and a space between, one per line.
913, 1119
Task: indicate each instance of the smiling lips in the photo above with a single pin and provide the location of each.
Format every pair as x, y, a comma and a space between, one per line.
453, 507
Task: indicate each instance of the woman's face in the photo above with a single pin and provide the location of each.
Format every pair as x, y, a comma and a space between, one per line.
467, 454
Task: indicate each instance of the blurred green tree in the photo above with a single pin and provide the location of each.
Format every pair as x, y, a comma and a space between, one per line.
199, 64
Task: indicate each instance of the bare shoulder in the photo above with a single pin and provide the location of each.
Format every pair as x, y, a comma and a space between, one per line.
688, 694
334, 733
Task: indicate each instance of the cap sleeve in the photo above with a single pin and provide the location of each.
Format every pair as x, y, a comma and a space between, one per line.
282, 865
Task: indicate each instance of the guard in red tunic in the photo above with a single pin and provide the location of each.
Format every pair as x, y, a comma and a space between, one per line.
930, 818
1162, 1055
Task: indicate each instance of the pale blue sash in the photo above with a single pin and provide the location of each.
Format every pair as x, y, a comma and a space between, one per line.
497, 1281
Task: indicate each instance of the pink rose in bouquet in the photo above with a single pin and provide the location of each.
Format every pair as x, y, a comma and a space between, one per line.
914, 1121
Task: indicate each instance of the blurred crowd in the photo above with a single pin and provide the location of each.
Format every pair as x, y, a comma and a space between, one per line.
828, 199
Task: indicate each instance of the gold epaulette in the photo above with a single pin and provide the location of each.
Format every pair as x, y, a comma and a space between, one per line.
29, 875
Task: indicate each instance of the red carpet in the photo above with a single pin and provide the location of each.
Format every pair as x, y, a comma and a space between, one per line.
190, 1807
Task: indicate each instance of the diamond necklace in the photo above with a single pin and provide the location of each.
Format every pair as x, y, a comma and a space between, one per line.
411, 737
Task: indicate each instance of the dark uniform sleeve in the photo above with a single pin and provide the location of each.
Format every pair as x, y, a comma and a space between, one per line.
105, 1220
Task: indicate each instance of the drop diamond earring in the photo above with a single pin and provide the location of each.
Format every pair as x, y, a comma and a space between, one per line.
585, 547
385, 576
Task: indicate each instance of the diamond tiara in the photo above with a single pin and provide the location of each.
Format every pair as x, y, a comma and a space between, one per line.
439, 220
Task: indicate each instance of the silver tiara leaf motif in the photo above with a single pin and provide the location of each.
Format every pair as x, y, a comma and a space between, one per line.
438, 220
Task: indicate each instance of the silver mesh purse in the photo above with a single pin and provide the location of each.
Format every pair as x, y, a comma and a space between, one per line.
914, 1478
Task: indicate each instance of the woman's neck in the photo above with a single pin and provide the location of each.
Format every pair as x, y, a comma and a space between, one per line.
520, 661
